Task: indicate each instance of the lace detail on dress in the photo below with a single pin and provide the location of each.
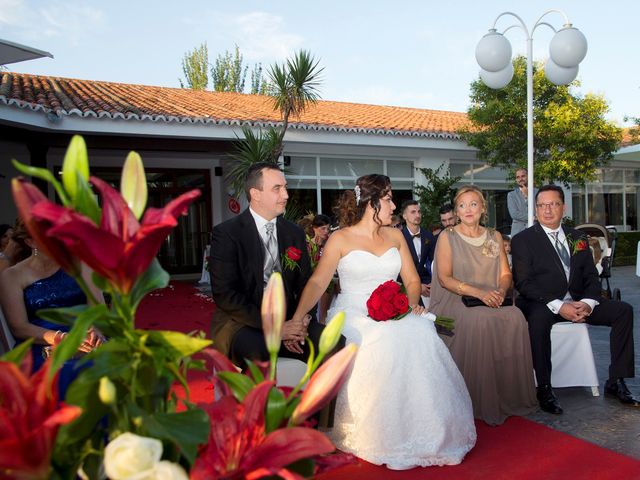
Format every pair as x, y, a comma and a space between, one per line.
405, 403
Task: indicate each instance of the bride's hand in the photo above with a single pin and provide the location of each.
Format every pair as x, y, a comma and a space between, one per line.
417, 309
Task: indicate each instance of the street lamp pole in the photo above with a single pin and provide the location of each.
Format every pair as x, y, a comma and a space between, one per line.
567, 49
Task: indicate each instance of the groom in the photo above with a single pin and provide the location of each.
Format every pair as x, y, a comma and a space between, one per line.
245, 250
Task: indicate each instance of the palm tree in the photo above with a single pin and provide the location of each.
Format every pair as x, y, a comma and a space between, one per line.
294, 85
249, 150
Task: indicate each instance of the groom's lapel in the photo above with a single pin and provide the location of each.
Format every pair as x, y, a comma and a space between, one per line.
254, 246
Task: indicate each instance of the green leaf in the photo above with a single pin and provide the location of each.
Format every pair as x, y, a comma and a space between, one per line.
239, 384
256, 374
69, 346
184, 344
85, 201
45, 175
62, 316
153, 278
276, 407
16, 354
187, 429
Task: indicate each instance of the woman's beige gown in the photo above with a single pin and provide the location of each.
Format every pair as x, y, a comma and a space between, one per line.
490, 346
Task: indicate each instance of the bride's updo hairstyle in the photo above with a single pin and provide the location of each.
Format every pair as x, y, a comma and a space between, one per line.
369, 190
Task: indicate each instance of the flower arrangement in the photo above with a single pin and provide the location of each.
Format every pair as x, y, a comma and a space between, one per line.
291, 257
388, 301
122, 417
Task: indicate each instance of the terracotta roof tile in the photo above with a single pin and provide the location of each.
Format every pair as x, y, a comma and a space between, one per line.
65, 96
630, 136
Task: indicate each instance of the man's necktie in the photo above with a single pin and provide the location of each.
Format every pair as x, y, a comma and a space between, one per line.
562, 252
271, 253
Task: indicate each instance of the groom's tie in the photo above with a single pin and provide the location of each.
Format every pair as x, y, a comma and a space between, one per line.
562, 252
271, 253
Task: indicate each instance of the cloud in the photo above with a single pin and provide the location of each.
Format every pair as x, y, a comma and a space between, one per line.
71, 21
12, 12
264, 36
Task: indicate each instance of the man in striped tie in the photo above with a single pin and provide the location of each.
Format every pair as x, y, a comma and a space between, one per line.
556, 278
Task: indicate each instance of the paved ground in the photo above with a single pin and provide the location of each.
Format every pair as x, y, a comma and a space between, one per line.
603, 420
600, 420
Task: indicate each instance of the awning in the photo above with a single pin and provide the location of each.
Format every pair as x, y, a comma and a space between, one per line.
11, 52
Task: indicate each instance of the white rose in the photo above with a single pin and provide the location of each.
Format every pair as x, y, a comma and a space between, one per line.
130, 456
166, 470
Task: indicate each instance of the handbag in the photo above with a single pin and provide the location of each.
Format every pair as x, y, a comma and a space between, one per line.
470, 301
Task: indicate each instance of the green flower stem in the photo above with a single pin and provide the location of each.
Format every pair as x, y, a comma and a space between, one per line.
312, 365
272, 365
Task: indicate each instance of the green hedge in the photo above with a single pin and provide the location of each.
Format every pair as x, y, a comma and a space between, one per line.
626, 248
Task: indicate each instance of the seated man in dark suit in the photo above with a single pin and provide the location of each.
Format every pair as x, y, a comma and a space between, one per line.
245, 250
421, 244
557, 281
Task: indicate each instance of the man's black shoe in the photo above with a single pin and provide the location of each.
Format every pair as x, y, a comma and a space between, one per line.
547, 400
617, 388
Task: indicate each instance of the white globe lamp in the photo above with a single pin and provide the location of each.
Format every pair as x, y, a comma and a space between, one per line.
568, 47
497, 80
493, 52
559, 75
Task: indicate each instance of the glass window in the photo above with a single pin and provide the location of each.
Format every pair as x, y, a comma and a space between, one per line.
632, 176
611, 175
297, 183
302, 166
462, 170
399, 169
605, 205
578, 212
632, 197
349, 167
340, 184
486, 172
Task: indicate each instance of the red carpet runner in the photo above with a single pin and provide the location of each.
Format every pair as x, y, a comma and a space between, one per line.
517, 450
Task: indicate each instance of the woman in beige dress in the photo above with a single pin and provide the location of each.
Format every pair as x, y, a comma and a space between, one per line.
491, 342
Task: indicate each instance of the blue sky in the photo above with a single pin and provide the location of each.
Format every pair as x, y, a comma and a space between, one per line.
407, 53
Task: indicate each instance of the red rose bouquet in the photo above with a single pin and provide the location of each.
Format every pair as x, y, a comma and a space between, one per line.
388, 302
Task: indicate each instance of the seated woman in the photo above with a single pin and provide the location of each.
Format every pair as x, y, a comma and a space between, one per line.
317, 234
12, 251
36, 283
490, 344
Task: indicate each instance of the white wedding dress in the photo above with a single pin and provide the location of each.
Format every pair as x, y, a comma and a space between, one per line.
405, 403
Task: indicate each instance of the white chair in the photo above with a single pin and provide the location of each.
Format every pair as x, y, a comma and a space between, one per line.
289, 371
7, 341
572, 359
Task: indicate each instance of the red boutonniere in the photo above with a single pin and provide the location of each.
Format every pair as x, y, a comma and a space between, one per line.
291, 257
388, 302
577, 245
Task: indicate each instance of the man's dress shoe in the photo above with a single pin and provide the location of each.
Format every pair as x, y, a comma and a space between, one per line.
548, 401
617, 388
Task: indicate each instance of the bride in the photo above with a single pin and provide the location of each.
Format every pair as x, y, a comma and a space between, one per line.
405, 403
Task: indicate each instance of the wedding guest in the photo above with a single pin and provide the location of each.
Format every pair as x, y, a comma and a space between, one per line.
245, 251
421, 245
396, 221
447, 216
557, 281
517, 202
33, 284
317, 235
12, 250
506, 243
490, 344
375, 418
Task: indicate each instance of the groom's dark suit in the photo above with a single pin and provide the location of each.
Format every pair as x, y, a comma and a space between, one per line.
237, 258
540, 278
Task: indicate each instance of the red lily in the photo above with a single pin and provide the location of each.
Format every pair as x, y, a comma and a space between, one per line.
239, 448
30, 416
120, 249
27, 196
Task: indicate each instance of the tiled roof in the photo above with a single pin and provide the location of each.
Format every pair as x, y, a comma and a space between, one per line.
87, 98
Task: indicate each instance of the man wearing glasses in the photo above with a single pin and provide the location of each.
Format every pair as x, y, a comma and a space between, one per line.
557, 281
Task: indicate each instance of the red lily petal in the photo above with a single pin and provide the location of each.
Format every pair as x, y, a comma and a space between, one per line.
117, 217
217, 362
254, 404
27, 197
173, 209
65, 414
268, 472
287, 445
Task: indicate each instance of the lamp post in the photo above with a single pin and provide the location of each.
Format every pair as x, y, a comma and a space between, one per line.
567, 49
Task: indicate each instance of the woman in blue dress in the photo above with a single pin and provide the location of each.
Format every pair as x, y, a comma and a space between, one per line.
35, 283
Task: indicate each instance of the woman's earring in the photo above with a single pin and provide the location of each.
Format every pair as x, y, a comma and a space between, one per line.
35, 252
